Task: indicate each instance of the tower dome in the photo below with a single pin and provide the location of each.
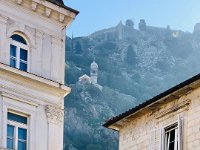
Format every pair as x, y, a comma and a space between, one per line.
93, 65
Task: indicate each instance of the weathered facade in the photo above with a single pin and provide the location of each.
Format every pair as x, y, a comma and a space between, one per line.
32, 61
169, 121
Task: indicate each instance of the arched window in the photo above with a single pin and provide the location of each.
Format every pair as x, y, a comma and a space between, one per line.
19, 52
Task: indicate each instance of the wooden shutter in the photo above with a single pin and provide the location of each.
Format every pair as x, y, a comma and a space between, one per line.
180, 133
154, 139
161, 142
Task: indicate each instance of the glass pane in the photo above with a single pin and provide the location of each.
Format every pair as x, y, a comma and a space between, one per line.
23, 54
18, 38
171, 146
172, 137
17, 118
10, 131
13, 62
23, 66
13, 50
21, 145
22, 134
10, 144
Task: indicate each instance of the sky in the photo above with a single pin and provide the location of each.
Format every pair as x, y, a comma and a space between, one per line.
100, 14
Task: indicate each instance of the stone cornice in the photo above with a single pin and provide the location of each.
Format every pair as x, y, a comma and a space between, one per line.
173, 108
19, 98
62, 89
47, 9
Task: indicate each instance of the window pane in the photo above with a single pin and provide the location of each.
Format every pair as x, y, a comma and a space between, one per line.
172, 137
10, 131
22, 134
23, 66
13, 62
18, 38
13, 50
21, 145
171, 146
23, 54
17, 118
10, 143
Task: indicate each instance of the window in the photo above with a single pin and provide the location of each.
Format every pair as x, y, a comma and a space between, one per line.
19, 53
171, 137
16, 132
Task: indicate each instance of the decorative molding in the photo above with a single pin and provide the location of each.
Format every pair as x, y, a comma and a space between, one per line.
22, 99
55, 114
56, 40
174, 108
3, 19
61, 18
34, 6
48, 12
19, 2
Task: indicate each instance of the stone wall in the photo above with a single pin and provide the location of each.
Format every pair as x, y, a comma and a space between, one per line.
145, 131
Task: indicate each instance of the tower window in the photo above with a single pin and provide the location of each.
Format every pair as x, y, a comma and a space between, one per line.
16, 132
19, 53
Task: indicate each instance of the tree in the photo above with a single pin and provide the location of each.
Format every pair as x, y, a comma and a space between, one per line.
130, 58
94, 147
78, 48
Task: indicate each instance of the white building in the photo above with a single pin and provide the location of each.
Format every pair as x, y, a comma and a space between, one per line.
32, 90
85, 79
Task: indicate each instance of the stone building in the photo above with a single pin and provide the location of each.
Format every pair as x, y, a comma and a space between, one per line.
32, 90
85, 79
168, 121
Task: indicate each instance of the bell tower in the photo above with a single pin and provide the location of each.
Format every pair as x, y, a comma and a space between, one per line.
94, 72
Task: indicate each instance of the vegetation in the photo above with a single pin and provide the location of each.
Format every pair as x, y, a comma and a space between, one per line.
143, 64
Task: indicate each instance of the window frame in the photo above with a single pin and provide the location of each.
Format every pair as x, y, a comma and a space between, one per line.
19, 46
16, 126
180, 128
176, 135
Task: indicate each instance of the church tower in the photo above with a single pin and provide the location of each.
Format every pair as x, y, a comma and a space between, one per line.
94, 72
32, 64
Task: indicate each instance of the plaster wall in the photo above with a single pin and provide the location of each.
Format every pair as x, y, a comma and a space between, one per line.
37, 94
41, 103
45, 39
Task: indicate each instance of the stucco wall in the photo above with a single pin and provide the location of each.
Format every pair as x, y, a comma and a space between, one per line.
41, 103
46, 40
39, 93
144, 131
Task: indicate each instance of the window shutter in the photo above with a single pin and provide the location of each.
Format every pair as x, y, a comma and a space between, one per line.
161, 142
154, 139
180, 133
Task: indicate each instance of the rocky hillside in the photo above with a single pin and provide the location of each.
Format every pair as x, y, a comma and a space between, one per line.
134, 65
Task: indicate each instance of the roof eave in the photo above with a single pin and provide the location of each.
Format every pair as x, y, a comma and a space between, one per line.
112, 122
65, 7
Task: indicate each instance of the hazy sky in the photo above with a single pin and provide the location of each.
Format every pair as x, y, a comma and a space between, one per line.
99, 14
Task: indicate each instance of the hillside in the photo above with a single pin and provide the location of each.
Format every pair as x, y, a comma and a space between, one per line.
134, 65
